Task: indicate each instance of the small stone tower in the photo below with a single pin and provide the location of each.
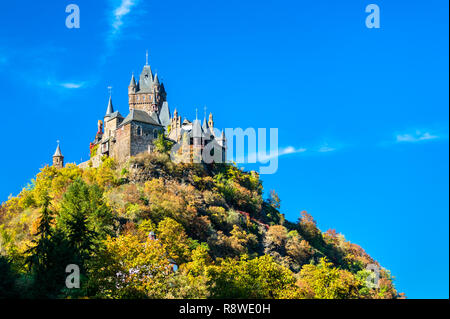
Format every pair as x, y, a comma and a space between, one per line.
58, 158
211, 123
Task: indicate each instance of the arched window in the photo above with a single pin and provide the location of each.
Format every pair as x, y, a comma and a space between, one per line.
139, 131
155, 133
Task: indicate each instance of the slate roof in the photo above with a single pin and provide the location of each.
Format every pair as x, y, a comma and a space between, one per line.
58, 151
146, 80
164, 114
110, 108
116, 114
139, 116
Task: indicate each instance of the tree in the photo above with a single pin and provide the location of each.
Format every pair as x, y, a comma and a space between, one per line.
162, 144
260, 278
173, 236
130, 266
326, 282
49, 256
274, 200
39, 252
84, 218
7, 280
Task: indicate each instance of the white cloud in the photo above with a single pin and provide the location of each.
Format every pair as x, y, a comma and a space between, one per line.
263, 157
325, 149
71, 85
61, 85
119, 13
415, 137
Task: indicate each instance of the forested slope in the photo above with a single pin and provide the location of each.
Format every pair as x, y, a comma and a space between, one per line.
151, 228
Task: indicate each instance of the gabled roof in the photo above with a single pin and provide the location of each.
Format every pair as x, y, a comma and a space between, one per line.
139, 116
114, 115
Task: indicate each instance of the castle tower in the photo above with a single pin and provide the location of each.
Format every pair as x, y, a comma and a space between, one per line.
141, 96
211, 123
108, 116
58, 158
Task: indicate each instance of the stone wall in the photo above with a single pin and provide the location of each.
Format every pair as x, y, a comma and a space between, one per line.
120, 150
142, 137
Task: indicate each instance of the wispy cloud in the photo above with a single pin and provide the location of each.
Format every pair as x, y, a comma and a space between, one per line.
417, 136
121, 8
61, 86
326, 149
72, 85
120, 12
263, 157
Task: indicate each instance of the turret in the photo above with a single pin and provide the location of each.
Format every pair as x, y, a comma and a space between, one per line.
156, 84
205, 125
211, 122
154, 101
58, 158
110, 108
132, 86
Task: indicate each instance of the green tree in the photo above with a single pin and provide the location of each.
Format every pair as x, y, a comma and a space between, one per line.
84, 218
162, 144
323, 281
260, 278
7, 280
131, 267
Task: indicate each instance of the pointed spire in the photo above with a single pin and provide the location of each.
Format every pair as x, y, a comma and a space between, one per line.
156, 80
58, 151
110, 108
205, 122
146, 57
133, 81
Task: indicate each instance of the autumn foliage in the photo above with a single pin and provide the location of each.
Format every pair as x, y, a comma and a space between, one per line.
151, 228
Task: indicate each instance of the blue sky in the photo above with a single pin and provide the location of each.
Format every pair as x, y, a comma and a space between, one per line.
367, 107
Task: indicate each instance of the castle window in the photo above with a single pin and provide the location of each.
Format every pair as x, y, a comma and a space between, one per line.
155, 133
143, 98
139, 131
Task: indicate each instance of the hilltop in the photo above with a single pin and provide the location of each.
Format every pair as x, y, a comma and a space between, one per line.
150, 228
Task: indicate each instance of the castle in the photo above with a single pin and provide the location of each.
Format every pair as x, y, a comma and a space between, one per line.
149, 116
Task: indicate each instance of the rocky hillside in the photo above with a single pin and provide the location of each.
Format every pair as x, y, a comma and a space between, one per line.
151, 228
